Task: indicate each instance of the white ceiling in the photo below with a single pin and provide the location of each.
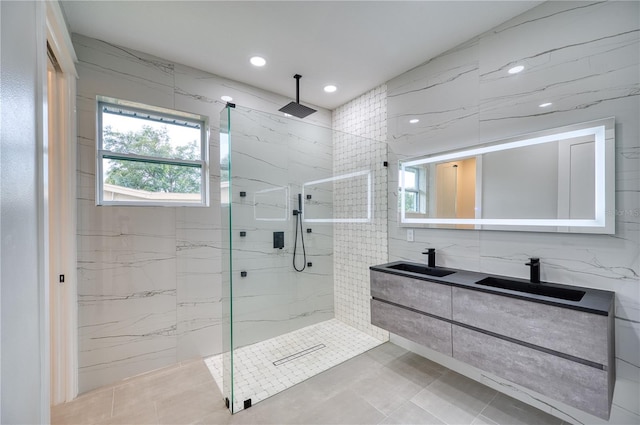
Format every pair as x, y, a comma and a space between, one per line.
354, 45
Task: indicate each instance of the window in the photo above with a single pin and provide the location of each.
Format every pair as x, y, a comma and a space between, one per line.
411, 188
150, 156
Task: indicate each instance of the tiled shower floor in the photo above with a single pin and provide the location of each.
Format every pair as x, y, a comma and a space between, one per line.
268, 367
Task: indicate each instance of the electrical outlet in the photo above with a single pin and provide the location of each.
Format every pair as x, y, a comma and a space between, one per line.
409, 235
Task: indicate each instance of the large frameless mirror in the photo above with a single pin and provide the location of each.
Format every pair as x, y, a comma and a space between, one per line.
558, 180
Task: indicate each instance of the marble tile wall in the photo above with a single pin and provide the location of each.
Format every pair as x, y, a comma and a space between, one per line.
359, 245
583, 57
271, 158
149, 277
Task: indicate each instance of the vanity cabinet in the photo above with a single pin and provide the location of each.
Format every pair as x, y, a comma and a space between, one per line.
418, 294
418, 327
573, 383
561, 348
575, 333
405, 302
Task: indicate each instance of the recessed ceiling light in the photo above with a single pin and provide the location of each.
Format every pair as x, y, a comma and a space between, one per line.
257, 61
227, 98
516, 69
413, 121
287, 115
544, 105
330, 88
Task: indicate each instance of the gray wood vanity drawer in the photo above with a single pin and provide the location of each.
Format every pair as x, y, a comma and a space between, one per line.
425, 330
432, 298
577, 333
573, 383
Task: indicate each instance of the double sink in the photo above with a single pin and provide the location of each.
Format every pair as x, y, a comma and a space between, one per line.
541, 289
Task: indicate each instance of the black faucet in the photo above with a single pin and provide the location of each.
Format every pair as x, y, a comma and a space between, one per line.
534, 263
431, 260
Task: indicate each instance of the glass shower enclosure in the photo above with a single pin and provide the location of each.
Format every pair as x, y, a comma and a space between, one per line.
283, 196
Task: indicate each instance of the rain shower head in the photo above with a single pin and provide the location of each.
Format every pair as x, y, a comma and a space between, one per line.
295, 108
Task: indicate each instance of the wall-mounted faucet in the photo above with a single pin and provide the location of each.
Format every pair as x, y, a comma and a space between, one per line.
534, 264
431, 259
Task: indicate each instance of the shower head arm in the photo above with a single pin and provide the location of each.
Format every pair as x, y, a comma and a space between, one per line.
297, 77
295, 108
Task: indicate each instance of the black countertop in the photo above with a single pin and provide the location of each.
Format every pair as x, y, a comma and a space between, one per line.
594, 301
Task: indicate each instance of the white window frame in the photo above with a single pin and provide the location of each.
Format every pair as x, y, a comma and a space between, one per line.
415, 189
103, 154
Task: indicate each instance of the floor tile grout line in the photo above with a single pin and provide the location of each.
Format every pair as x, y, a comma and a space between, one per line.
447, 372
367, 401
487, 405
439, 378
324, 331
127, 418
155, 410
425, 388
407, 402
113, 400
434, 415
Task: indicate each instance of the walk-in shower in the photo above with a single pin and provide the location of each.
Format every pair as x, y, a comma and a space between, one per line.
281, 183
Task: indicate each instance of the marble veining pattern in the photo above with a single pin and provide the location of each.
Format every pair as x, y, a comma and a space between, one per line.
150, 277
584, 57
272, 157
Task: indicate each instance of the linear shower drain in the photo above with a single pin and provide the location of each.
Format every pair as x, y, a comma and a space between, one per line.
299, 354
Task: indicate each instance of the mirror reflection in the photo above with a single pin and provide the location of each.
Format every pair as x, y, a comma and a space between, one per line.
556, 180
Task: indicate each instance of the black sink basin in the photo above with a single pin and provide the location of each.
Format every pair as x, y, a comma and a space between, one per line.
430, 271
533, 288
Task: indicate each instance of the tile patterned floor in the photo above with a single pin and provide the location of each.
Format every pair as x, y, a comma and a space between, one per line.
386, 385
268, 367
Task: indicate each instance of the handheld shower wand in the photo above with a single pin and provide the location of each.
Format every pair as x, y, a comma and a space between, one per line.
298, 214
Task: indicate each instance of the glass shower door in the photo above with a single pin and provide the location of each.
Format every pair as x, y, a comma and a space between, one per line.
265, 162
280, 324
227, 261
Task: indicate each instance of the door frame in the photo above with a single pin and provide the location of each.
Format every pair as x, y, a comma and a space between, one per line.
60, 306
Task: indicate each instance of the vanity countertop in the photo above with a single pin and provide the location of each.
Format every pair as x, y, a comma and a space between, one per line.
595, 301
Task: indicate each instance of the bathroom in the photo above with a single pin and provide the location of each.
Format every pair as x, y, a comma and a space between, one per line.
163, 260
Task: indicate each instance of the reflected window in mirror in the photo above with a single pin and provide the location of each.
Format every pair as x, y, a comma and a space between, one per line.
556, 180
411, 176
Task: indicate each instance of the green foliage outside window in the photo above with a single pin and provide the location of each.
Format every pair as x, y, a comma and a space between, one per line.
148, 176
224, 168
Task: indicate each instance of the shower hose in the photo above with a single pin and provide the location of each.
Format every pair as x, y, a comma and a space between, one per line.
295, 244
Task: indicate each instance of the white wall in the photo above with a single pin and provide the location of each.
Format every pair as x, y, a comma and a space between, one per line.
149, 288
24, 392
583, 57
